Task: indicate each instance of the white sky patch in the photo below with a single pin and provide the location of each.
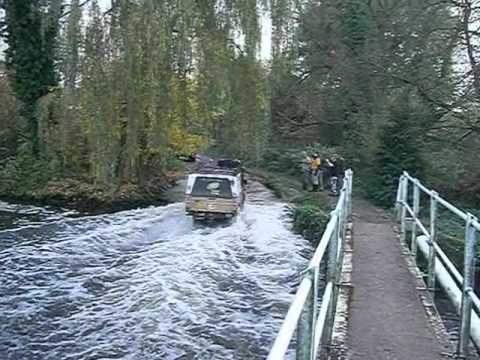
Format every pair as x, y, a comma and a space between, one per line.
3, 46
105, 4
266, 29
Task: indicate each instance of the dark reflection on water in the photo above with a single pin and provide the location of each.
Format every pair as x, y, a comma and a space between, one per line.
145, 284
21, 216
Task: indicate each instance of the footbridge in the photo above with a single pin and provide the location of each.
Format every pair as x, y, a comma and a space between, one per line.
369, 290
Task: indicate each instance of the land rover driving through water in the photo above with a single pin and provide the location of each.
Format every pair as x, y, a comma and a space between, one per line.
215, 189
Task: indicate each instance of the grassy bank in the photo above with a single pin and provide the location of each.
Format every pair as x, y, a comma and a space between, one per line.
309, 210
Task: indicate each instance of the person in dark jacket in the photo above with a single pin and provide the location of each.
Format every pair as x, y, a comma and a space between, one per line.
338, 172
327, 169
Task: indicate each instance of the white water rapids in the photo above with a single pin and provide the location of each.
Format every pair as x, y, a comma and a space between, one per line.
146, 284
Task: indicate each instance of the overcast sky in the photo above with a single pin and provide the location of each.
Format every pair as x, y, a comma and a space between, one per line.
104, 3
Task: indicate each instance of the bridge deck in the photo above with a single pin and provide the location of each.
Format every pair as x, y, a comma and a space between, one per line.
388, 320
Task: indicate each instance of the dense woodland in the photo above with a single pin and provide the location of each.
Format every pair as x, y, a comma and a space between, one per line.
110, 96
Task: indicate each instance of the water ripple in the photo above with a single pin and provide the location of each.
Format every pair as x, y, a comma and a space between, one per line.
147, 284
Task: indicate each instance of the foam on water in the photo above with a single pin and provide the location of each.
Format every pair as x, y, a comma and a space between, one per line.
149, 284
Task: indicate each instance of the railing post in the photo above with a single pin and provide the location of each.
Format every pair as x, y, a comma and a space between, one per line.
433, 240
403, 216
468, 285
349, 193
333, 248
344, 219
332, 275
416, 210
315, 287
306, 323
398, 203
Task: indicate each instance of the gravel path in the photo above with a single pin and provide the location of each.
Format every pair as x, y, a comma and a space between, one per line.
388, 320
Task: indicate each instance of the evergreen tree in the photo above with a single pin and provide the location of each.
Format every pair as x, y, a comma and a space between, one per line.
356, 23
31, 33
399, 150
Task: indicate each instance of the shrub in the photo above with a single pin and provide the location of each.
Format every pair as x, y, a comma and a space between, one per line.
24, 173
309, 221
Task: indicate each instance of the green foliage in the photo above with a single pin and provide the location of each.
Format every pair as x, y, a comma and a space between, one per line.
8, 176
451, 236
358, 56
23, 173
11, 123
356, 23
243, 130
174, 164
399, 151
310, 221
31, 31
150, 79
452, 164
140, 84
286, 161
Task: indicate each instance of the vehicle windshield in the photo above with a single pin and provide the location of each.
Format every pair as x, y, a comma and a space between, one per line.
212, 187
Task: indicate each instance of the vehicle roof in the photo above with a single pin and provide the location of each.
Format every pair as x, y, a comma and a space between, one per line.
228, 167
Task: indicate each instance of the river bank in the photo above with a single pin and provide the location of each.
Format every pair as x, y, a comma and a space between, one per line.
85, 197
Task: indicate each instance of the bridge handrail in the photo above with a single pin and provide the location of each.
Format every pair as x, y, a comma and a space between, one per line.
303, 314
462, 214
466, 283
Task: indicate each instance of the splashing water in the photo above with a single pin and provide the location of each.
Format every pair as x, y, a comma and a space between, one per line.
146, 284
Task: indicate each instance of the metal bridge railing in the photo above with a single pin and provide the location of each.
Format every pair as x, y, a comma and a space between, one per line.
314, 323
460, 289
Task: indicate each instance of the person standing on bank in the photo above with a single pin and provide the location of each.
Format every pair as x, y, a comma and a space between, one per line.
338, 171
327, 168
307, 175
317, 178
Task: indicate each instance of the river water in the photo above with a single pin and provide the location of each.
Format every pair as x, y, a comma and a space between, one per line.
145, 284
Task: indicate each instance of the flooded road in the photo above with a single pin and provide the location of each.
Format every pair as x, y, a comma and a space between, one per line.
145, 284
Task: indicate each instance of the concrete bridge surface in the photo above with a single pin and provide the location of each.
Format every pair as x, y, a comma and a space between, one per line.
388, 320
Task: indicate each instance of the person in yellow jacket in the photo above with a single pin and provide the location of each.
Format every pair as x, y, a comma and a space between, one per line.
307, 174
317, 176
